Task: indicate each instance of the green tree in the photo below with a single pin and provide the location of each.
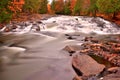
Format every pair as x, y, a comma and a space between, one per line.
53, 5
109, 6
78, 7
5, 12
67, 10
31, 6
93, 7
43, 6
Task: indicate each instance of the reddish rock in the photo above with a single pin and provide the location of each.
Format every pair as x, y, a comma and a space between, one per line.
14, 26
113, 69
86, 65
77, 78
113, 76
6, 30
108, 48
37, 29
70, 49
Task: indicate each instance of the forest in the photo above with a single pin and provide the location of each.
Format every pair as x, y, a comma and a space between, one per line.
109, 8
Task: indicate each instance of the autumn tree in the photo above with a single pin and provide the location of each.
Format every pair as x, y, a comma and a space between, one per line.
78, 7
5, 12
67, 10
109, 6
72, 4
53, 5
43, 6
59, 6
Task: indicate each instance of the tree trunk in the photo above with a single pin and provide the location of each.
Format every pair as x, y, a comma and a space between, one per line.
114, 15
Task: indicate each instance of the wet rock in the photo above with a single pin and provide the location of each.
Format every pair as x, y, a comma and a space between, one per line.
107, 48
113, 76
99, 22
35, 26
86, 65
113, 69
70, 49
92, 39
7, 29
77, 78
91, 77
14, 26
70, 37
54, 21
39, 22
67, 35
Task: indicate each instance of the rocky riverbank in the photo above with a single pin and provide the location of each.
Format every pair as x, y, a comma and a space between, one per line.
97, 58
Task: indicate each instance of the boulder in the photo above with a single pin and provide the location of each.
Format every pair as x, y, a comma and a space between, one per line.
85, 64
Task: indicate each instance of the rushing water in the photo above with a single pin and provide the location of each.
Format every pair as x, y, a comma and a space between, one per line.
68, 24
83, 24
55, 25
45, 43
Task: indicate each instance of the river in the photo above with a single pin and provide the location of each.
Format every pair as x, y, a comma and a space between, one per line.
27, 54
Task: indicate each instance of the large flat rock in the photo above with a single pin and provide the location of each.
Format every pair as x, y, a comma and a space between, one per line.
86, 65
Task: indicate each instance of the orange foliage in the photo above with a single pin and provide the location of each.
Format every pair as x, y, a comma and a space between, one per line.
59, 5
16, 5
18, 2
49, 9
86, 3
73, 2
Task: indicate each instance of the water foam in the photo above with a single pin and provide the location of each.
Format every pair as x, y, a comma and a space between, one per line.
71, 24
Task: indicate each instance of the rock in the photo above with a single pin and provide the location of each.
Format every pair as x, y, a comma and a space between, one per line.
39, 22
113, 69
7, 30
70, 37
91, 77
67, 35
70, 49
14, 26
113, 76
77, 78
86, 65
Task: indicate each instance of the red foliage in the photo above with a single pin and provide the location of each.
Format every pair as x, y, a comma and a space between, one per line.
73, 2
59, 5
